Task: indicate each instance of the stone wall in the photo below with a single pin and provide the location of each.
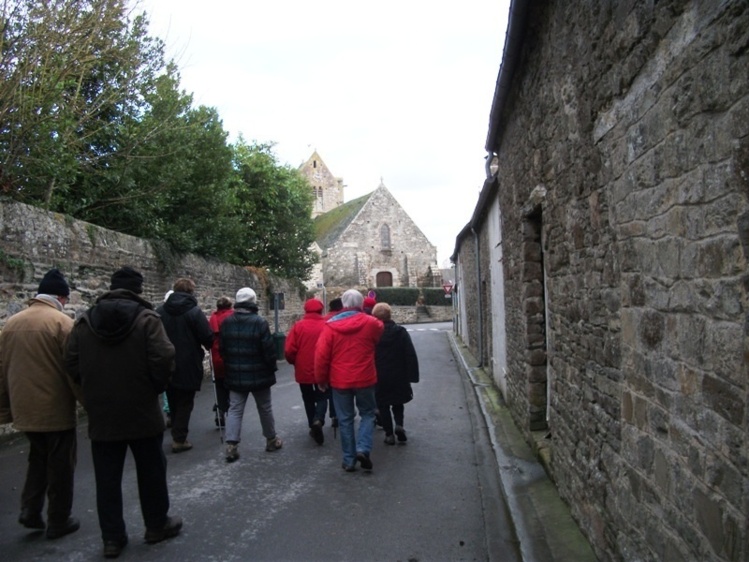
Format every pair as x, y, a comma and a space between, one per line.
33, 241
625, 140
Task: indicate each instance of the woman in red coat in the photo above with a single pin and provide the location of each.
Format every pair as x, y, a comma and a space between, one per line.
223, 310
300, 352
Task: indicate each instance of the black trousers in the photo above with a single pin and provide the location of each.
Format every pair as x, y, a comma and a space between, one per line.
181, 403
316, 402
150, 469
50, 473
387, 419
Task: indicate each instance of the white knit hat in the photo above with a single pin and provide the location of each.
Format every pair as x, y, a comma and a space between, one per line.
245, 294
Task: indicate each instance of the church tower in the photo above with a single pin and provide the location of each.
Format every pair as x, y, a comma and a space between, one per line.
327, 189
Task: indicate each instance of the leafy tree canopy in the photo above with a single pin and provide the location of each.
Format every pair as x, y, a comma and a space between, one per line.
93, 123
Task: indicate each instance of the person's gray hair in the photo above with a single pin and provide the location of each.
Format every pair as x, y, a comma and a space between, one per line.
352, 299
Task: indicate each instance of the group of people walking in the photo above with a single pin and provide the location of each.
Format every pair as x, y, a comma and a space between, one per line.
364, 362
121, 355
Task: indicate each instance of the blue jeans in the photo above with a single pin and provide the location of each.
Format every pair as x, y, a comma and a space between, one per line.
347, 401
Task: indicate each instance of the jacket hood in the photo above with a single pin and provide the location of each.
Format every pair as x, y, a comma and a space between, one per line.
348, 322
179, 303
113, 316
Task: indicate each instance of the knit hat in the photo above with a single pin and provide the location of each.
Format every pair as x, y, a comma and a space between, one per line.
313, 305
369, 302
127, 278
352, 299
246, 295
53, 283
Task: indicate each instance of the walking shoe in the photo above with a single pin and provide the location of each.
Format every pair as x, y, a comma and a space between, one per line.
57, 531
181, 447
401, 434
364, 460
170, 529
316, 432
232, 453
349, 467
273, 444
31, 520
113, 549
390, 440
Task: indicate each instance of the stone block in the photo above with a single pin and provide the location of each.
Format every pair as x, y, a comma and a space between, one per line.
724, 399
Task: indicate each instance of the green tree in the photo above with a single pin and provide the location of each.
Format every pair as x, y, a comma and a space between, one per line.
173, 181
72, 73
275, 204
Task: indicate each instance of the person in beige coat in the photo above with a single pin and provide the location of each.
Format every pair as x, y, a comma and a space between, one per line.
39, 398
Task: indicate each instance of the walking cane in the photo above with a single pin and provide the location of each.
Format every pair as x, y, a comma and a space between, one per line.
215, 396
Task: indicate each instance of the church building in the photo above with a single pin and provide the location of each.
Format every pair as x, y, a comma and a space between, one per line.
368, 242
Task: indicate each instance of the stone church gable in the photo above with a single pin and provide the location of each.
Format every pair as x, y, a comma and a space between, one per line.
372, 242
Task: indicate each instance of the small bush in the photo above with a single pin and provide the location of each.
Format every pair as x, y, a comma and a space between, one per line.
435, 297
397, 296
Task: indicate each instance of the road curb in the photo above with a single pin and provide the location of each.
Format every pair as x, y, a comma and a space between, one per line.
543, 522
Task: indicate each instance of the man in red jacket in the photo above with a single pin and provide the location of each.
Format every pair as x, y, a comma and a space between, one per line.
345, 362
300, 352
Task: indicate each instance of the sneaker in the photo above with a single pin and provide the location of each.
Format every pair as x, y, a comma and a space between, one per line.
401, 434
232, 452
364, 460
31, 520
181, 447
390, 440
316, 432
113, 549
57, 531
170, 529
273, 444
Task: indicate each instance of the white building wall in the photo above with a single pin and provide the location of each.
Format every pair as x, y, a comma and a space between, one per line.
499, 334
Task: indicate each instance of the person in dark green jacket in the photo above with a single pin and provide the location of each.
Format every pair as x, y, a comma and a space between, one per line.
249, 354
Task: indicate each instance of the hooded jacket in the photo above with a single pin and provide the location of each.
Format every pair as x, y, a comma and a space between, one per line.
121, 356
36, 393
248, 350
189, 331
397, 365
300, 343
345, 352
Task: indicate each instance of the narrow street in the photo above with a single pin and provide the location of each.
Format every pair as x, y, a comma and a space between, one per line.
436, 498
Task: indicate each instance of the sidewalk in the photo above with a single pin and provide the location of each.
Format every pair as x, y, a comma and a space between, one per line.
543, 523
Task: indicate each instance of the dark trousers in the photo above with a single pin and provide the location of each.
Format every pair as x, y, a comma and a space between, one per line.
387, 419
150, 469
222, 396
50, 474
316, 402
181, 403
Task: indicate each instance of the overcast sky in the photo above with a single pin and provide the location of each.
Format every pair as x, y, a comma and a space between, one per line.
396, 89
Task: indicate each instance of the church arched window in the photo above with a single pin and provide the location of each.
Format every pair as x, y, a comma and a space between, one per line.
385, 237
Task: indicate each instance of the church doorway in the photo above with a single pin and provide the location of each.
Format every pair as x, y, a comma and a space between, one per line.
384, 279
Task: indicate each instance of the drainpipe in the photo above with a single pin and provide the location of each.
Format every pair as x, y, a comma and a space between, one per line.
480, 304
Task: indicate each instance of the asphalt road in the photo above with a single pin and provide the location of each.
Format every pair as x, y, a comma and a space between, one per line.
436, 498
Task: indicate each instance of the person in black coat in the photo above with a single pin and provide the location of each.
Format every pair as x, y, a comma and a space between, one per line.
397, 367
189, 331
